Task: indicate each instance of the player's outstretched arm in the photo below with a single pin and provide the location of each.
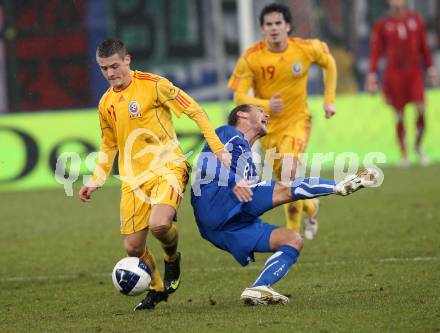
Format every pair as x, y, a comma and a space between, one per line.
224, 157
330, 73
177, 101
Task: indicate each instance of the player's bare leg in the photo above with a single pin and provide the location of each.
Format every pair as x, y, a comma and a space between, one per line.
400, 131
163, 228
311, 211
135, 246
420, 127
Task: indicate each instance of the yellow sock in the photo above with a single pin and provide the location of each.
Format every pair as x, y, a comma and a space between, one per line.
156, 280
293, 212
309, 207
168, 238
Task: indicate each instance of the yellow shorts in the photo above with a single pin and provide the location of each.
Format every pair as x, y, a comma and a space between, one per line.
136, 203
292, 141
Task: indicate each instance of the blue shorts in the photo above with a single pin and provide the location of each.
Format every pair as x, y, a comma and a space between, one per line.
243, 233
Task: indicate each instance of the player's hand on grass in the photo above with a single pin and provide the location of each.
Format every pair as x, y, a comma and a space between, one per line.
225, 157
276, 103
329, 110
85, 193
243, 191
371, 83
433, 76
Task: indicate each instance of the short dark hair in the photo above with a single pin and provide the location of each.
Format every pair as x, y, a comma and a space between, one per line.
110, 47
277, 8
233, 118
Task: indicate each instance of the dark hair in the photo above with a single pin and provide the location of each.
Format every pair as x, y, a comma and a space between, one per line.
110, 47
277, 8
233, 118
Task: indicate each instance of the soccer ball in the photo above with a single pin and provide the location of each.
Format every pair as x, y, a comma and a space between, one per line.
131, 276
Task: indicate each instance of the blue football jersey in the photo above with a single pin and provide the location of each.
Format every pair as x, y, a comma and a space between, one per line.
211, 192
210, 172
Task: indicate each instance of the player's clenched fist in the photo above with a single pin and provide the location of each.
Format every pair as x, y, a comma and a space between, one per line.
276, 103
85, 193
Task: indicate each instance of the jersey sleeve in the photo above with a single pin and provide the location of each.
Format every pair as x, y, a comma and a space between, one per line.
241, 81
323, 57
424, 46
376, 47
107, 149
242, 77
180, 102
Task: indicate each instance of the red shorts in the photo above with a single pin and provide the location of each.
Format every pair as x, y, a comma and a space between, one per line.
402, 86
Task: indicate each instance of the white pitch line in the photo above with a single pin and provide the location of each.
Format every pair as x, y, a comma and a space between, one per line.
52, 277
222, 269
409, 259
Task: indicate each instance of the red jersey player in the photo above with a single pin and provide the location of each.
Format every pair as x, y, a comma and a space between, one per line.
401, 39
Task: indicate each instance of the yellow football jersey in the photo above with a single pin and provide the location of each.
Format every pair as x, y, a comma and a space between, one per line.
269, 73
137, 122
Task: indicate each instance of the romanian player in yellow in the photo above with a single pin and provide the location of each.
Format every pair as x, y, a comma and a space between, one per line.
135, 115
277, 68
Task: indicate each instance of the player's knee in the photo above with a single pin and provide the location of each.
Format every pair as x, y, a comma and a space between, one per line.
294, 239
288, 237
134, 250
160, 230
160, 222
285, 192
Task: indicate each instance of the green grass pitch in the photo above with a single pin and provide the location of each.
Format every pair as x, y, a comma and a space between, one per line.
374, 267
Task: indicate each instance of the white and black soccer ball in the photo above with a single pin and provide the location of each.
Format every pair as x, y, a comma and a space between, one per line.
131, 276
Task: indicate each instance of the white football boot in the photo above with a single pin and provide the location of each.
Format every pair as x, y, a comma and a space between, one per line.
404, 162
262, 295
422, 158
365, 178
311, 223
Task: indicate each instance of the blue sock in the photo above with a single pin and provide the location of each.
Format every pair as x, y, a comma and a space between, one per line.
312, 188
277, 266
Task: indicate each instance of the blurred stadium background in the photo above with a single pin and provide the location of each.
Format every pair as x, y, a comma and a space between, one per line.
47, 63
48, 47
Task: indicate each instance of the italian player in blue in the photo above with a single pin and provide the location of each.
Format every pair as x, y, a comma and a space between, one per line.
228, 203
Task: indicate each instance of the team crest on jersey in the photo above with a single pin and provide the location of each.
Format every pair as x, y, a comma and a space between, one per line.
135, 109
297, 68
412, 24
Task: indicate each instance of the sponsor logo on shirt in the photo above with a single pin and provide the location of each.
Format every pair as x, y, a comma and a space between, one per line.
297, 68
135, 109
